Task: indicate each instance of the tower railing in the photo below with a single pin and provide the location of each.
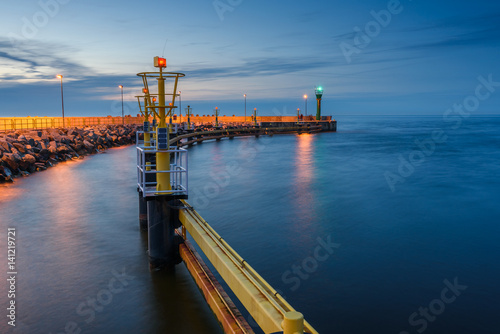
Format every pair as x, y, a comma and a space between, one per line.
147, 171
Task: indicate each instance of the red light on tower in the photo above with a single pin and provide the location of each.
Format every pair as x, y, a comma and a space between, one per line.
160, 62
144, 90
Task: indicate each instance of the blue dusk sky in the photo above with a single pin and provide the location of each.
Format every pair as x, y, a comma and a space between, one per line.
405, 57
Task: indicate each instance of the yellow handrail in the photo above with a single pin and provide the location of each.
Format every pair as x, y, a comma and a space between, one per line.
265, 304
37, 123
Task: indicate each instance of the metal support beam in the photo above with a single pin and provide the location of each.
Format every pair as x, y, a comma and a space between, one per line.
143, 213
221, 305
264, 303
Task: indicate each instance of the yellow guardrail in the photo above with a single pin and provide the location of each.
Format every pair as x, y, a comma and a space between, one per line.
271, 312
35, 123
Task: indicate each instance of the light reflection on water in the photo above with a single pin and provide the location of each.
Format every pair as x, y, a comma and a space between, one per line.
77, 227
396, 248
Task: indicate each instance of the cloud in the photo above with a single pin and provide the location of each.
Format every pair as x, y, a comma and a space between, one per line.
486, 37
452, 33
483, 30
477, 22
261, 67
38, 60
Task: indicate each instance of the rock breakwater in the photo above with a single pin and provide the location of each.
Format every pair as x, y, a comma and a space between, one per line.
23, 152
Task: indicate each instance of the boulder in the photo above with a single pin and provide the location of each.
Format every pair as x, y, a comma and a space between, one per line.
52, 150
20, 147
5, 146
5, 174
88, 145
29, 159
10, 160
63, 149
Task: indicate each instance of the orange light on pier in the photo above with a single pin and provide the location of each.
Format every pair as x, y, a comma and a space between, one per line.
160, 62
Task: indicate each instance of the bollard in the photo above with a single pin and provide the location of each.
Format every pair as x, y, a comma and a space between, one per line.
293, 323
163, 245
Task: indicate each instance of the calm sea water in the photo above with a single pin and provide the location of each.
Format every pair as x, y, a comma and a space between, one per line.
390, 225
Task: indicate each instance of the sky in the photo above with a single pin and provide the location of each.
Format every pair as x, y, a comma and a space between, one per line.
408, 57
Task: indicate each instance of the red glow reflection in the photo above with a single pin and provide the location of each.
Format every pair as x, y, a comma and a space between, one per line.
304, 178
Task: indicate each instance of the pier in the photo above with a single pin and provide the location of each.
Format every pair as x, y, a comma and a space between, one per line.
162, 184
167, 216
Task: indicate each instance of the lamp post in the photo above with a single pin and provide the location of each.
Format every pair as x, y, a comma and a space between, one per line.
121, 88
216, 117
188, 111
245, 95
180, 107
59, 76
305, 97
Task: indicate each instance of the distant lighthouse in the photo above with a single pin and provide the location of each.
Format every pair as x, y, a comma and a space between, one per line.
319, 95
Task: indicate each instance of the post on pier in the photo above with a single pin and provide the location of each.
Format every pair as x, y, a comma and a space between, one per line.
188, 111
216, 117
319, 95
147, 142
162, 192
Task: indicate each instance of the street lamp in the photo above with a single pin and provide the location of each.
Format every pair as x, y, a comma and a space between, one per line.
123, 120
216, 117
305, 97
180, 107
245, 95
59, 76
188, 111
